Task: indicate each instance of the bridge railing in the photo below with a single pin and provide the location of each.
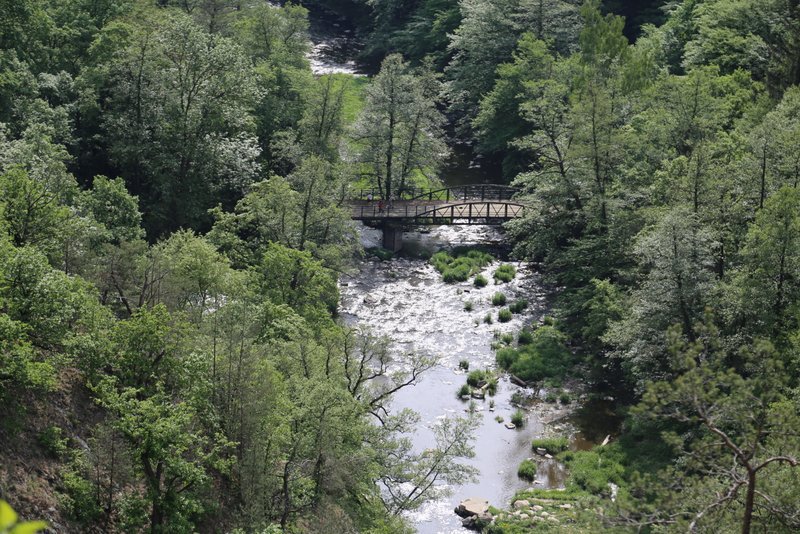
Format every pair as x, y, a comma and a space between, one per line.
466, 211
461, 192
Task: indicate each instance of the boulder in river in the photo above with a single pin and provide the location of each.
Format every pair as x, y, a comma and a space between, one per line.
472, 506
478, 395
477, 522
511, 426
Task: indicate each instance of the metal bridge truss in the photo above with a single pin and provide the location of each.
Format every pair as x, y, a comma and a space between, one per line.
466, 213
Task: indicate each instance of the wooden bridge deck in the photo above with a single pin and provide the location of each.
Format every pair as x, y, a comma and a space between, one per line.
436, 212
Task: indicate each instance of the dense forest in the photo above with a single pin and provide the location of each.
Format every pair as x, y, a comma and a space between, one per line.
173, 223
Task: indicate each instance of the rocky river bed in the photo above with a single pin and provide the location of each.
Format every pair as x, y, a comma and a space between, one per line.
405, 300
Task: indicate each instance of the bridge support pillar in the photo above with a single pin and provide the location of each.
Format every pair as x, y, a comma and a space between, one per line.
392, 238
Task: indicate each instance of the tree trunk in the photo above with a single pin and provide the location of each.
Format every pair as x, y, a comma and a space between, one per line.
748, 504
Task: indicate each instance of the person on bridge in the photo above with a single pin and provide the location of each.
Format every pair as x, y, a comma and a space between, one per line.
380, 206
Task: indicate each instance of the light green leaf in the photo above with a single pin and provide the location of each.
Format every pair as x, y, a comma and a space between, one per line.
7, 515
30, 527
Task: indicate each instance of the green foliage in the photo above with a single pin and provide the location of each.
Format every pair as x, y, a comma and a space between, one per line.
499, 299
32, 212
9, 523
505, 273
518, 418
488, 318
461, 265
110, 204
186, 133
767, 283
506, 356
477, 378
518, 306
380, 253
592, 471
400, 127
463, 365
527, 470
301, 211
525, 337
468, 306
21, 367
545, 357
504, 315
293, 277
80, 497
552, 445
480, 281
55, 445
464, 391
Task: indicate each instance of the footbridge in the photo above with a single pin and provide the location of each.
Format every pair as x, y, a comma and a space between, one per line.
468, 205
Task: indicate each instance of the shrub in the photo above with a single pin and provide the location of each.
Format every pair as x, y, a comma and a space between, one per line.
468, 306
545, 357
507, 338
518, 418
525, 337
53, 443
506, 357
463, 365
476, 378
551, 398
552, 383
455, 273
505, 315
79, 495
553, 445
499, 418
380, 253
481, 281
505, 273
488, 318
592, 470
441, 260
499, 299
463, 390
491, 387
460, 267
527, 470
564, 398
518, 306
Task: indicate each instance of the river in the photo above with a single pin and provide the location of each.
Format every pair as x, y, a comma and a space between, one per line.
405, 300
